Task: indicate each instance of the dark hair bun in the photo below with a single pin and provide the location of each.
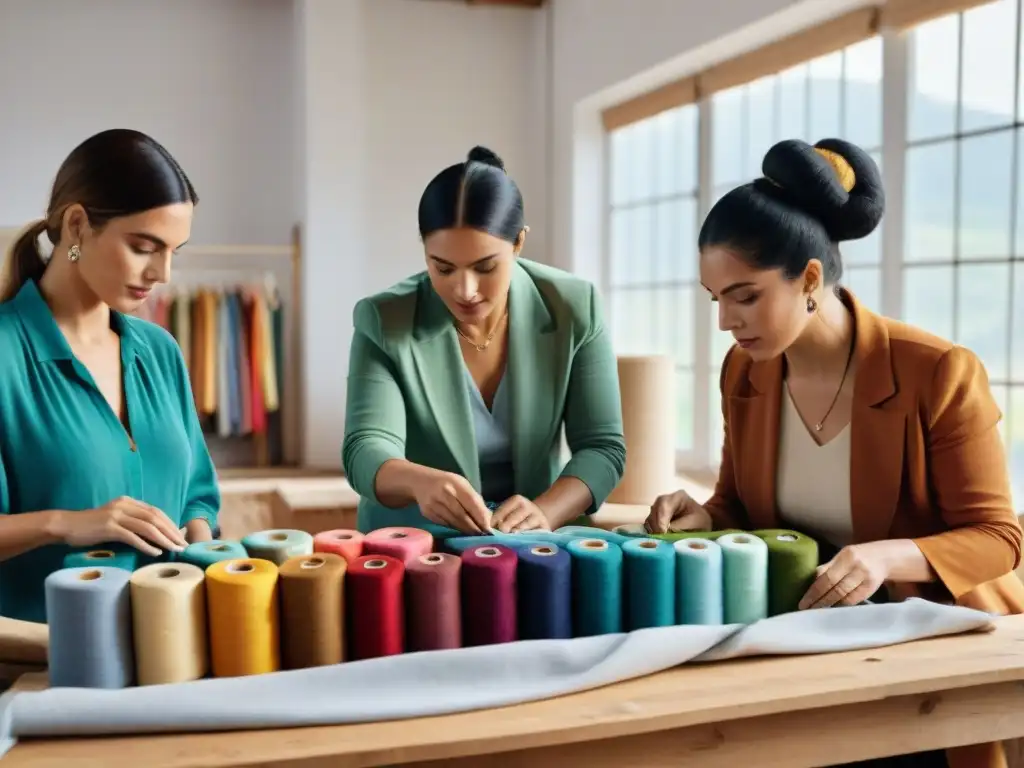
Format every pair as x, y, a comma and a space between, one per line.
485, 156
836, 182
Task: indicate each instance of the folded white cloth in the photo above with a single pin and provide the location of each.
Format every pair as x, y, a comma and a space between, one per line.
443, 682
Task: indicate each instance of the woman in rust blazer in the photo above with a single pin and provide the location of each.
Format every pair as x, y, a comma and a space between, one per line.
878, 439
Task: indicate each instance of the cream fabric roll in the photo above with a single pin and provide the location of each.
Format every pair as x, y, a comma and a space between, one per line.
647, 385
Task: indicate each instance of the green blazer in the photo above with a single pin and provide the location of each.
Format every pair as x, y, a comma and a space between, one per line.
407, 396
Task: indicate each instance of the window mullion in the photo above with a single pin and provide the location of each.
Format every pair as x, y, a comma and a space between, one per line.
703, 455
896, 55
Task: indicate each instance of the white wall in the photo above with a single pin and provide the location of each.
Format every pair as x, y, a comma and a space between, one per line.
605, 51
332, 113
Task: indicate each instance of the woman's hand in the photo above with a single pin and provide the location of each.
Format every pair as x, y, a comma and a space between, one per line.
450, 500
198, 530
132, 522
518, 514
851, 577
677, 512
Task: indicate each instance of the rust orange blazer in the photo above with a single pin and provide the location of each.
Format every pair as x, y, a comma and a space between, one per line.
927, 463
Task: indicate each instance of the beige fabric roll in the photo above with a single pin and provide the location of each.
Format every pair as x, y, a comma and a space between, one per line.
647, 385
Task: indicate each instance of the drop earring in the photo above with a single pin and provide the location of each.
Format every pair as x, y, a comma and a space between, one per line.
74, 253
812, 305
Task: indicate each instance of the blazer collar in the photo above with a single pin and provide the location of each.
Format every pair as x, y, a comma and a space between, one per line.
877, 431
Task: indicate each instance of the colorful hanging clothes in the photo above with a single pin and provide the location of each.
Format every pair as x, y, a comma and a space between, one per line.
232, 341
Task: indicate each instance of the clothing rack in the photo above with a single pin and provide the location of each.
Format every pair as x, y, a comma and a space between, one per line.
224, 273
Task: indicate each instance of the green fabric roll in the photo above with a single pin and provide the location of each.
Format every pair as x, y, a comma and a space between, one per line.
675, 536
792, 567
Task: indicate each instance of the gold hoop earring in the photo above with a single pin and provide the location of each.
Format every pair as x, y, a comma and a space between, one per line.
812, 305
74, 253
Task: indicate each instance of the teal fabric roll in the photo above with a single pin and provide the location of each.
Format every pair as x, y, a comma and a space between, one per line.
596, 587
744, 578
699, 586
101, 556
205, 553
588, 532
278, 545
649, 577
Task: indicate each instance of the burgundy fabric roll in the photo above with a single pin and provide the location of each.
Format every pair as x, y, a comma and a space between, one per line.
489, 595
432, 602
376, 616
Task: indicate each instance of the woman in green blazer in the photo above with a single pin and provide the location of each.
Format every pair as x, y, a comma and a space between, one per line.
463, 376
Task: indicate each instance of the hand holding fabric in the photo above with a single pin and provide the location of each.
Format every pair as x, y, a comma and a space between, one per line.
850, 578
517, 514
677, 512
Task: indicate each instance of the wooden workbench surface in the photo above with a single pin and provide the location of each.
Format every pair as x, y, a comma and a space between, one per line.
935, 693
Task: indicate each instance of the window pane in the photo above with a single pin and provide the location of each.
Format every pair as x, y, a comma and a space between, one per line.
929, 202
666, 242
679, 321
862, 85
717, 434
721, 341
667, 150
1015, 427
642, 162
928, 299
618, 251
1017, 328
793, 103
761, 100
866, 284
989, 55
684, 410
986, 195
826, 95
632, 319
641, 247
1019, 222
667, 304
983, 314
684, 258
727, 139
686, 169
620, 161
933, 78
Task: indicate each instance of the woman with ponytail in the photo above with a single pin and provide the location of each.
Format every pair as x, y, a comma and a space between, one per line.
876, 438
462, 376
100, 443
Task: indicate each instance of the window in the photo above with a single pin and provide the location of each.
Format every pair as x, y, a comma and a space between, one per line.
954, 264
963, 251
651, 272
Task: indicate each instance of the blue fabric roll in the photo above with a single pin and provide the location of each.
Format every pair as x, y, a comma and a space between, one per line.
596, 587
649, 576
544, 579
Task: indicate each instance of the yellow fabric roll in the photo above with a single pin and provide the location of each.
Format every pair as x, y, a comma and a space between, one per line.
169, 623
242, 597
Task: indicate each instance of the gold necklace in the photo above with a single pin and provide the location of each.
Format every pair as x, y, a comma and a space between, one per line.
490, 336
849, 358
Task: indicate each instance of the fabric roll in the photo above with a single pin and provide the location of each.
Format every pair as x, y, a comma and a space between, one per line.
489, 603
596, 587
245, 622
744, 578
401, 543
433, 607
376, 609
649, 581
203, 554
278, 545
169, 623
103, 557
90, 625
312, 593
544, 586
792, 568
341, 541
699, 587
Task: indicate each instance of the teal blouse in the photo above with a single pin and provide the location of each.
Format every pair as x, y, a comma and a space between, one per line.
63, 447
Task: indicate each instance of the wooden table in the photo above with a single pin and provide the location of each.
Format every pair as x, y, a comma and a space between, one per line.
778, 711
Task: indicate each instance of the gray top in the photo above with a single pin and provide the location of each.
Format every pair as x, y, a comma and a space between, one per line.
493, 441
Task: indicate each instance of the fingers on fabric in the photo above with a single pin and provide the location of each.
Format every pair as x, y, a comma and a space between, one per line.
154, 516
517, 516
664, 509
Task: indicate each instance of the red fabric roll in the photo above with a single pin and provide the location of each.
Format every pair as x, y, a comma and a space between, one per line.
433, 608
375, 607
489, 595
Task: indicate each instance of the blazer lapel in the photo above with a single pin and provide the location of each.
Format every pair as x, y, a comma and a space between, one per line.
536, 370
754, 437
878, 432
439, 366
